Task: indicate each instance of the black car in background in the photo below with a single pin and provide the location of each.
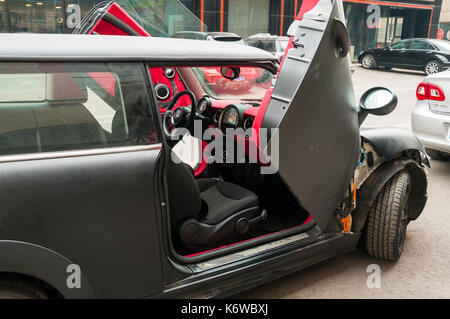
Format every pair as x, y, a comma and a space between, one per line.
429, 55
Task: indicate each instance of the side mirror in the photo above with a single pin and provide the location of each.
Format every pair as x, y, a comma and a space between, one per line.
230, 73
376, 101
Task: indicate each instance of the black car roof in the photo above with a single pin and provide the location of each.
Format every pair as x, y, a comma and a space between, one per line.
59, 47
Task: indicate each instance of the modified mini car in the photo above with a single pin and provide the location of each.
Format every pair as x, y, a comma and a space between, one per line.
111, 189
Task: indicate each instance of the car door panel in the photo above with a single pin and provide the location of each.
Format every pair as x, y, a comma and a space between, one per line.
395, 55
99, 211
313, 110
417, 55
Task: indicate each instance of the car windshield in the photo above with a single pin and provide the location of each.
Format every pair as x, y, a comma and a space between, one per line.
251, 84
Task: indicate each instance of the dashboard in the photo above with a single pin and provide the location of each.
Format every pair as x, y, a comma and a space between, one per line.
225, 114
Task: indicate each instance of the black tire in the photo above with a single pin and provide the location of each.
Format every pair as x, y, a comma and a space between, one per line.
368, 62
388, 218
432, 67
438, 155
15, 288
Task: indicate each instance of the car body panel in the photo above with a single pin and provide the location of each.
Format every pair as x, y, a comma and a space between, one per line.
395, 56
431, 119
418, 53
102, 216
44, 264
391, 142
324, 124
56, 47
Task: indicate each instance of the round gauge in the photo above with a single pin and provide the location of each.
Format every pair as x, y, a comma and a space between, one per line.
229, 118
162, 91
204, 105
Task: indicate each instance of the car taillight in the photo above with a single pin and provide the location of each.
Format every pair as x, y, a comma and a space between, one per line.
429, 91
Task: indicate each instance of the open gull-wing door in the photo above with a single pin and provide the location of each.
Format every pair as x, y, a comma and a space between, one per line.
313, 110
109, 18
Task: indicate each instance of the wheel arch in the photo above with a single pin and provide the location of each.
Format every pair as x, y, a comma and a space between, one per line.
392, 143
43, 266
437, 57
375, 182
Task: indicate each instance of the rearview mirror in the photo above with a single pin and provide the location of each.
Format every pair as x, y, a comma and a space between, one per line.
230, 73
376, 101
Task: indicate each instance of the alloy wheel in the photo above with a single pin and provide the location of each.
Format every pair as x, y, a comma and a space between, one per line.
367, 62
432, 68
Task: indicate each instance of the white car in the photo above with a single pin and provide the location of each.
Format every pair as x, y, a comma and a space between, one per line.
431, 115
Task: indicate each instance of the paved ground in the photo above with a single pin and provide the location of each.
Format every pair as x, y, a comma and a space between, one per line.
423, 269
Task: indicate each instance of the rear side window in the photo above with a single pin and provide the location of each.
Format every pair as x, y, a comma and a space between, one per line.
421, 45
401, 45
47, 107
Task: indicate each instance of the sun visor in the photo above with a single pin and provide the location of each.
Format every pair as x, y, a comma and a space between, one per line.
314, 114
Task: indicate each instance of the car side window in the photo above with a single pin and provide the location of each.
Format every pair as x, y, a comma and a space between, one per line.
421, 45
47, 107
402, 45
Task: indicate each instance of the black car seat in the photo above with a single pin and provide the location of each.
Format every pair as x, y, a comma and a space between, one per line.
207, 213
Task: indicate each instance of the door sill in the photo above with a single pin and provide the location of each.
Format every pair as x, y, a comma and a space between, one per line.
252, 246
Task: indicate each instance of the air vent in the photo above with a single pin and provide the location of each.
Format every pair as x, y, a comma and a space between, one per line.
162, 91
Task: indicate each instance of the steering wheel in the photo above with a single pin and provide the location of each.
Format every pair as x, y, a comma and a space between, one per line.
178, 117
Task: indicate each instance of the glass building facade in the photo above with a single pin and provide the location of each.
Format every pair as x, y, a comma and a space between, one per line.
159, 17
370, 23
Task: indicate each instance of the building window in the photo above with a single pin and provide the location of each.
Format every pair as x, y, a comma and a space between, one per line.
247, 17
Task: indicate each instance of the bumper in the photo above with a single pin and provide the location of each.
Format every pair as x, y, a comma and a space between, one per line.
432, 129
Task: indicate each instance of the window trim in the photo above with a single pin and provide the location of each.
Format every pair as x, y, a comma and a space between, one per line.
78, 153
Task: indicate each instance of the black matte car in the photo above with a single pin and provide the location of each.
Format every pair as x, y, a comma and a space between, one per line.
100, 197
428, 55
